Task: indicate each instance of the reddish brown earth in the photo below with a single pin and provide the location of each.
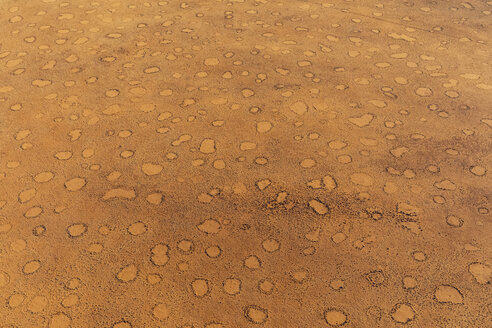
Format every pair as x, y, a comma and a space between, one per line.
245, 164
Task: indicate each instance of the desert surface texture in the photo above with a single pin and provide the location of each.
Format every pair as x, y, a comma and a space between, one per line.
245, 163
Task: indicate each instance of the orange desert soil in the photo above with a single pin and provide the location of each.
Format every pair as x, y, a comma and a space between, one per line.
245, 163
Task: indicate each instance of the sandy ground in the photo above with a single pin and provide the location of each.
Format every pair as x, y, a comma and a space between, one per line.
245, 164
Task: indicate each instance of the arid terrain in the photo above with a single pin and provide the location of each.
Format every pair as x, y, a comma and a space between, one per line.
245, 163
